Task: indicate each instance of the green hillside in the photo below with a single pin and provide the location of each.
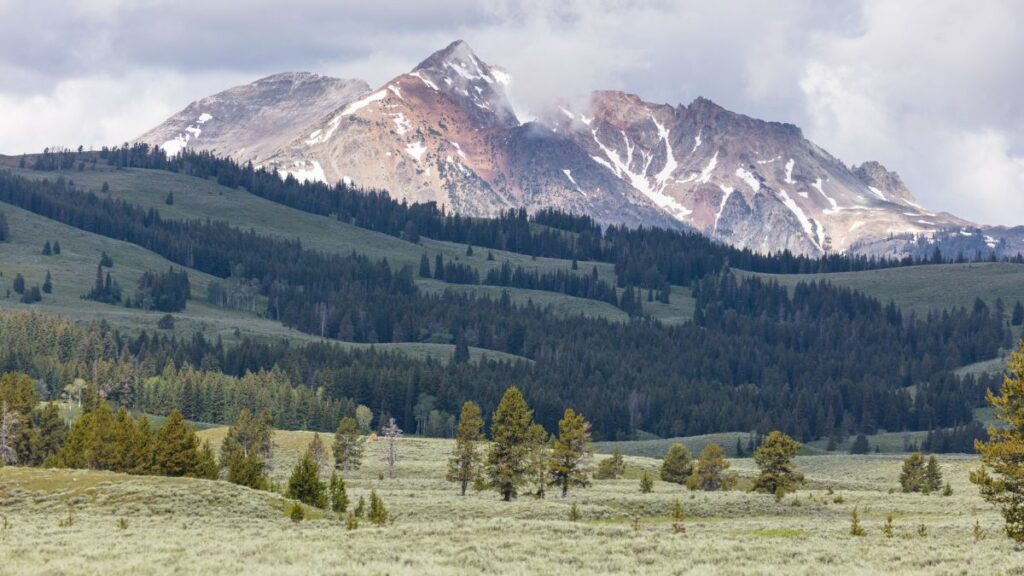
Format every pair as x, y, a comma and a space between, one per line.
74, 272
932, 287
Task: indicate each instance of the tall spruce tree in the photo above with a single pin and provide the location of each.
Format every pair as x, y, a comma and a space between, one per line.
570, 454
507, 463
1001, 476
348, 445
464, 463
775, 459
176, 447
912, 476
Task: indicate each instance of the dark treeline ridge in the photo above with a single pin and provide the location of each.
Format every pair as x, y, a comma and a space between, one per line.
646, 257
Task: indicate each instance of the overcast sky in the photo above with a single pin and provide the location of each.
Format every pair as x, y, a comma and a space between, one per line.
931, 88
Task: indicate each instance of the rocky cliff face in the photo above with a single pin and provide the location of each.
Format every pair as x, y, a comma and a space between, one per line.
446, 132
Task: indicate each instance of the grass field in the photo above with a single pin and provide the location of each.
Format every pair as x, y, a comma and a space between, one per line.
923, 288
174, 526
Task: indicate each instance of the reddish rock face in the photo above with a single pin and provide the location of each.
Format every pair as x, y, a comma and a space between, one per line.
446, 132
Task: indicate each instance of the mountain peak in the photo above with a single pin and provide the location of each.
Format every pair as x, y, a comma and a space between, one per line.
458, 53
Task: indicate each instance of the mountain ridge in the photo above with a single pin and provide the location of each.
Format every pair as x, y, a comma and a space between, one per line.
447, 132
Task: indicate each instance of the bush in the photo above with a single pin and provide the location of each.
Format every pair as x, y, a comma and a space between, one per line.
297, 514
646, 483
166, 322
611, 468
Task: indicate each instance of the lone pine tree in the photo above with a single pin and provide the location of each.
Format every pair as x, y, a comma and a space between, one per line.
464, 463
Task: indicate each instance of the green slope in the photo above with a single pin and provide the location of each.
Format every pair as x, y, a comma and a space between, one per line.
932, 287
74, 272
198, 198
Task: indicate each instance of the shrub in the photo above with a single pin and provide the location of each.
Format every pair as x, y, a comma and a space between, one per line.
297, 514
646, 483
574, 513
887, 528
855, 528
610, 468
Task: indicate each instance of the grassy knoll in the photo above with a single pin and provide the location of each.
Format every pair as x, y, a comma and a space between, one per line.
931, 287
176, 526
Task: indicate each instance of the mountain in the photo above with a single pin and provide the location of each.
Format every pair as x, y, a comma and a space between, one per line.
447, 132
251, 122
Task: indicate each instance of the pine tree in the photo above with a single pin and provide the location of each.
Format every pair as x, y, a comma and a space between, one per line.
570, 454
646, 483
170, 199
47, 250
677, 465
48, 283
246, 470
933, 475
464, 463
611, 468
775, 459
855, 528
1003, 452
711, 472
424, 266
304, 484
537, 458
912, 476
51, 432
348, 445
176, 447
206, 463
56, 247
378, 513
860, 445
1017, 317
507, 463
338, 494
5, 229
19, 284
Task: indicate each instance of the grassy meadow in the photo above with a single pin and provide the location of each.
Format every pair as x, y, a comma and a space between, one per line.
149, 525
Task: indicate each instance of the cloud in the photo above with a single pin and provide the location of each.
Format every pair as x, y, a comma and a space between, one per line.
920, 85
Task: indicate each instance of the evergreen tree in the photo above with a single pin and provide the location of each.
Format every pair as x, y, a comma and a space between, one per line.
677, 465
933, 475
1017, 317
170, 199
424, 266
206, 463
711, 472
246, 470
612, 467
19, 284
912, 476
105, 260
176, 447
52, 432
378, 513
538, 457
860, 445
1003, 453
247, 449
47, 250
507, 463
568, 465
304, 484
5, 229
56, 247
646, 483
48, 284
464, 463
348, 445
338, 495
775, 459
